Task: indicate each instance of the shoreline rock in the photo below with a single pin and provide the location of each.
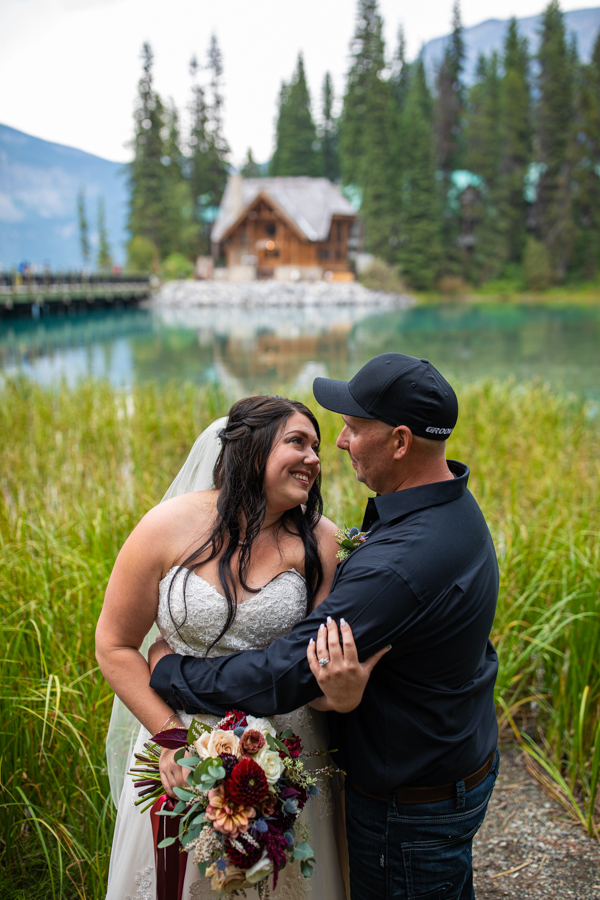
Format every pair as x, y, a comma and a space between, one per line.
260, 294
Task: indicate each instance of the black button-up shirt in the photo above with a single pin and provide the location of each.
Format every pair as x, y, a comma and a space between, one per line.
426, 582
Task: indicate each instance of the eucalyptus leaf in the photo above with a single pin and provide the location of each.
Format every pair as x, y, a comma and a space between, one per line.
179, 754
306, 868
167, 842
183, 794
190, 762
303, 851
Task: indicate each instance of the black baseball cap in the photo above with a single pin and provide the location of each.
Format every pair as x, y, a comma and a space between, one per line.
398, 390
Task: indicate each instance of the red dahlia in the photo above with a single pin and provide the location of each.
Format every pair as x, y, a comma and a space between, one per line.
247, 784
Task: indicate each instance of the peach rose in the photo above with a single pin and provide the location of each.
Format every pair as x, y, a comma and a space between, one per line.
231, 879
214, 743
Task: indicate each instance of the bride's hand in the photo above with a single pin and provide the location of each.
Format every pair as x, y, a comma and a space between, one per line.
343, 679
171, 773
156, 651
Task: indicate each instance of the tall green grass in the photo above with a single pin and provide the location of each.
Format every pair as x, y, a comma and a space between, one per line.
79, 467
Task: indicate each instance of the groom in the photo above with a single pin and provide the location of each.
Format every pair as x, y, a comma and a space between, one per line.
420, 749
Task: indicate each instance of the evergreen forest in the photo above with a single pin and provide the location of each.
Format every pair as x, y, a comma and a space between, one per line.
497, 181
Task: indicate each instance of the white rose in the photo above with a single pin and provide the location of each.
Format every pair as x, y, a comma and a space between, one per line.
271, 764
262, 725
259, 870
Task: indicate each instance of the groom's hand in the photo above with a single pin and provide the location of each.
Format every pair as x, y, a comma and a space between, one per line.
157, 650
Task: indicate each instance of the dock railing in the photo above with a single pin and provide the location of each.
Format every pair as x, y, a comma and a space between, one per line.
41, 289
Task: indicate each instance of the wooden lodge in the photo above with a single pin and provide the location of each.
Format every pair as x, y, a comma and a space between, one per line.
284, 228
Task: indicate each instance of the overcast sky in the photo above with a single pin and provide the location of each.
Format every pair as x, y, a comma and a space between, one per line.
69, 68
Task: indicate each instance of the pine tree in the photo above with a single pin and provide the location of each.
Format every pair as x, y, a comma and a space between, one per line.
328, 133
104, 259
148, 213
368, 129
198, 161
181, 231
400, 71
449, 138
586, 170
84, 238
482, 122
484, 251
250, 169
420, 242
209, 151
218, 148
400, 82
516, 140
555, 119
449, 106
296, 148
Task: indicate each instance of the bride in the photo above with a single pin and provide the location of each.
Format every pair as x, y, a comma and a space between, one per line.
222, 569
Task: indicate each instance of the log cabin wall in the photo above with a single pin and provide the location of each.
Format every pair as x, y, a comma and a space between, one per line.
333, 253
263, 238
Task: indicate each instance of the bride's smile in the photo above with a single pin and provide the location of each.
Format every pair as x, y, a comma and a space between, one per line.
292, 466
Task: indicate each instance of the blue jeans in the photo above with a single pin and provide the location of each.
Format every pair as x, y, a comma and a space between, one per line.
421, 851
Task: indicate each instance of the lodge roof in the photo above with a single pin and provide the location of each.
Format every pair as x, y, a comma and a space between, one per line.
309, 203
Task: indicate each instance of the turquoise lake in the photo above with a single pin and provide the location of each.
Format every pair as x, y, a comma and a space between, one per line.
266, 349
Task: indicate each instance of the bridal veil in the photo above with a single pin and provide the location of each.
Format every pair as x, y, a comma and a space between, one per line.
196, 474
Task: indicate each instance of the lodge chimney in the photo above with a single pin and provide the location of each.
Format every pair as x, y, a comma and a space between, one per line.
235, 186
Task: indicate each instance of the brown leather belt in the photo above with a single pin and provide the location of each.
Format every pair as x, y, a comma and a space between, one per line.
410, 794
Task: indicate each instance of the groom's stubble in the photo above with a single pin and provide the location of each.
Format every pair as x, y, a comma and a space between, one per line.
388, 459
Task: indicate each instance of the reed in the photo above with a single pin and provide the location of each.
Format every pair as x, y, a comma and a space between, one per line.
79, 468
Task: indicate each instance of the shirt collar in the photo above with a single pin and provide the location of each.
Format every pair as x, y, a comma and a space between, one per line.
399, 503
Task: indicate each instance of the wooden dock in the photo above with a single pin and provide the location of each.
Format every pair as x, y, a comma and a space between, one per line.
46, 293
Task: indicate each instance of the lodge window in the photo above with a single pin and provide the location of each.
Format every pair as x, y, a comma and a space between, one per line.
323, 253
271, 229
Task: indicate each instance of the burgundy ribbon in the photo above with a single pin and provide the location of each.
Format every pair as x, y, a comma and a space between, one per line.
170, 861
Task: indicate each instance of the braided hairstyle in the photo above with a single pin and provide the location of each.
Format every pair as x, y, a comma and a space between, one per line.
252, 428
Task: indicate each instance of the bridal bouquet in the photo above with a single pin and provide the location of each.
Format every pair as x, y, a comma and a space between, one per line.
237, 816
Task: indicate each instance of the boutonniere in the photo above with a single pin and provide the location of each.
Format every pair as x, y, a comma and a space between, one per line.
349, 539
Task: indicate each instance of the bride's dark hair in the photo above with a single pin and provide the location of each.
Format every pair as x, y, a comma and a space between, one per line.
248, 438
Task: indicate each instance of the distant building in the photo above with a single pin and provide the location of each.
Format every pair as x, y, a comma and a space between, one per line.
284, 228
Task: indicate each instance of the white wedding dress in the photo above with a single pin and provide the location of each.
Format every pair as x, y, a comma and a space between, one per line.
189, 628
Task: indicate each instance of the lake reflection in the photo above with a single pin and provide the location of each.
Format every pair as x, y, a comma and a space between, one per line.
265, 349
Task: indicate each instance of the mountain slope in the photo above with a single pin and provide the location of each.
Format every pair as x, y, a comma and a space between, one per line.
39, 182
489, 36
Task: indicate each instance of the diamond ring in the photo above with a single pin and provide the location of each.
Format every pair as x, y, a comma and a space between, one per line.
324, 661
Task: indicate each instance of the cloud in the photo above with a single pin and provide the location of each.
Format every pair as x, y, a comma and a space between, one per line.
8, 211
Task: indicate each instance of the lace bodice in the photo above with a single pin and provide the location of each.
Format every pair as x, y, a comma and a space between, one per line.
189, 626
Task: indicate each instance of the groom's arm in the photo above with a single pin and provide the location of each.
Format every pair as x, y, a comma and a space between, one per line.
375, 601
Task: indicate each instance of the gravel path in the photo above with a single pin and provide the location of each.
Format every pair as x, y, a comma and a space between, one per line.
528, 848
